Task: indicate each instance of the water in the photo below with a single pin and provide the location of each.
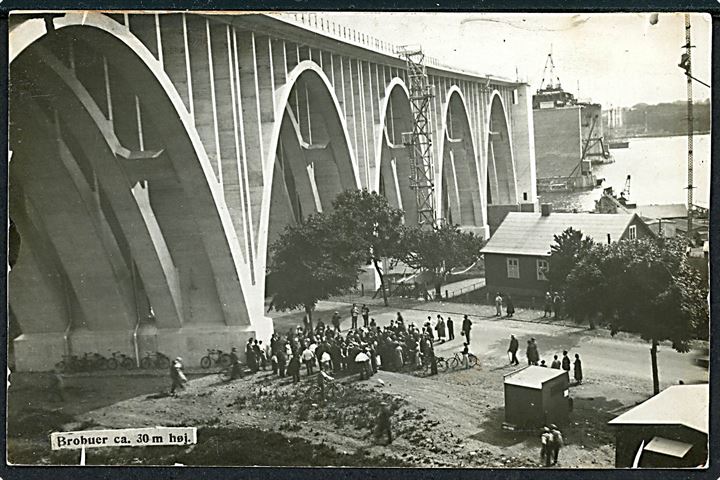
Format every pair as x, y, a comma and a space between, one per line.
658, 170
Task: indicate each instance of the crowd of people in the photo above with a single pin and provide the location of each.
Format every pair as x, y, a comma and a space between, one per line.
533, 358
553, 305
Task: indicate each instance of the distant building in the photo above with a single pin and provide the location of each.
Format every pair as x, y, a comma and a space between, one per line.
518, 254
668, 430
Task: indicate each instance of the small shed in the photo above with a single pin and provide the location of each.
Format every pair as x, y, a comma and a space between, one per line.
536, 396
668, 430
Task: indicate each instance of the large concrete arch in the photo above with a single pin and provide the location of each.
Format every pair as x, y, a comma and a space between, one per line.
310, 159
187, 202
501, 177
392, 176
459, 189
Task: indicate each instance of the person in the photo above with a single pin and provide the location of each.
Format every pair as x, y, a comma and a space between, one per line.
235, 368
428, 329
294, 368
177, 376
555, 363
547, 311
542, 363
450, 329
577, 366
361, 361
250, 358
440, 328
546, 446
282, 361
336, 321
383, 423
354, 316
325, 361
466, 356
466, 325
512, 349
365, 315
509, 306
557, 442
57, 385
532, 352
565, 361
557, 300
498, 304
257, 349
308, 357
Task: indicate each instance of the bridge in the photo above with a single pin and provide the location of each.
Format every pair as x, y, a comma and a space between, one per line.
155, 157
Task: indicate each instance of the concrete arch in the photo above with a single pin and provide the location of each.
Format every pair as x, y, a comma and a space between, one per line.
192, 183
392, 176
501, 176
310, 148
459, 190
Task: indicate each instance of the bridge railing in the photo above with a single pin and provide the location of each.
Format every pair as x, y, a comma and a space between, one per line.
313, 21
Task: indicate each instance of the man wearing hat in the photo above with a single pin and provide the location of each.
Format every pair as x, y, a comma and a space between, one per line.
546, 440
557, 442
177, 376
383, 423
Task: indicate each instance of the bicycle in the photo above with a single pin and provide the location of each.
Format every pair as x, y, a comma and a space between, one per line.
154, 360
332, 390
218, 357
118, 359
440, 362
457, 360
68, 364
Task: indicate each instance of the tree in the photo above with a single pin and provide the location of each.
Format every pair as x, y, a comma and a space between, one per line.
372, 224
439, 251
311, 262
568, 249
644, 286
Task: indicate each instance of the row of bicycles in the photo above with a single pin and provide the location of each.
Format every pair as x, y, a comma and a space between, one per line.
89, 362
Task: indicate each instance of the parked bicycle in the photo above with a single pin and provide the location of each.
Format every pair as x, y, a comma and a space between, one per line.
332, 389
441, 363
457, 361
217, 357
119, 359
68, 364
155, 360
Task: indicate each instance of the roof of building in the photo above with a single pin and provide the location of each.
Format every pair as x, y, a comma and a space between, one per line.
665, 446
532, 234
533, 376
686, 405
672, 210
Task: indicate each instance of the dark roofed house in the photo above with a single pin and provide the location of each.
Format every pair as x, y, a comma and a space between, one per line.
518, 254
668, 430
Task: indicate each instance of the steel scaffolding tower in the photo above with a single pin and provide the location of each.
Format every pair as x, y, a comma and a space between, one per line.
419, 140
686, 63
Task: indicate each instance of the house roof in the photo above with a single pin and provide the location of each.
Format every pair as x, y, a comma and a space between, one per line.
532, 234
686, 405
672, 210
533, 376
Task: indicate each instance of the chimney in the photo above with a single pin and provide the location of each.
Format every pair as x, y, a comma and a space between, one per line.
609, 241
545, 209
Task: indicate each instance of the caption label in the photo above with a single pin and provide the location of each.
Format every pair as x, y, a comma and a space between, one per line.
127, 437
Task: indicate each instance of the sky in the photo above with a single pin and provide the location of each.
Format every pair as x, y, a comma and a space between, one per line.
615, 59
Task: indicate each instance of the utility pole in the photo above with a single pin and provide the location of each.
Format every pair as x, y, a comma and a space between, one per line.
419, 141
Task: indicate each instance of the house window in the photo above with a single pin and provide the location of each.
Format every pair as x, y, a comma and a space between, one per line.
632, 232
542, 268
513, 268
